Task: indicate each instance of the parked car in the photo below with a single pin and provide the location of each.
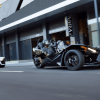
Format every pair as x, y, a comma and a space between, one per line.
2, 62
56, 53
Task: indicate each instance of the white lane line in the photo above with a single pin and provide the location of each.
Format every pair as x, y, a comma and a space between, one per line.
13, 71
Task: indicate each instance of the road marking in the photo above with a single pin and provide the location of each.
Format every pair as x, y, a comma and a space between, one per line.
13, 71
82, 96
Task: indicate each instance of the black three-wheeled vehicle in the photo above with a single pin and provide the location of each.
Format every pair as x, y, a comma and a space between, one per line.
56, 53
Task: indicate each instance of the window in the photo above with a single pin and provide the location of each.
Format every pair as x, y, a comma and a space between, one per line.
94, 40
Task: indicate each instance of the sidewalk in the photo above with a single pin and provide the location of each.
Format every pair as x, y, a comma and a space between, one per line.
20, 63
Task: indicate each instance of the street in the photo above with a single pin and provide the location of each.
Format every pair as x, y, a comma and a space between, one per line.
30, 83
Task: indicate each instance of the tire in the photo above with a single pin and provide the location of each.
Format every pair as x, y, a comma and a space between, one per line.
2, 66
37, 62
74, 60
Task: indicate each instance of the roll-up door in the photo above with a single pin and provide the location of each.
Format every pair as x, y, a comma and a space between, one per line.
25, 50
10, 38
1, 51
12, 51
57, 26
29, 34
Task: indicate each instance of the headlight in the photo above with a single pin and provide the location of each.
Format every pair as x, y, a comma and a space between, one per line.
85, 48
38, 52
33, 49
92, 50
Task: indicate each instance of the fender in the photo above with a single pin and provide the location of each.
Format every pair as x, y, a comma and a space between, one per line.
62, 58
70, 47
75, 46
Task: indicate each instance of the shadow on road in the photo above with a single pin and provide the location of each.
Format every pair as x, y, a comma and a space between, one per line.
91, 68
56, 68
83, 69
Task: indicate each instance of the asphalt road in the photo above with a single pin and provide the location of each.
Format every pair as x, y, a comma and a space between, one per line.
30, 83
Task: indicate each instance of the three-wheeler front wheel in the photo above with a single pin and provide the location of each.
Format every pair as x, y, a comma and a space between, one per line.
74, 60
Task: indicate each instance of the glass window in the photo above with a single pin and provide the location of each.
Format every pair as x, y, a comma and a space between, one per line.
95, 39
92, 27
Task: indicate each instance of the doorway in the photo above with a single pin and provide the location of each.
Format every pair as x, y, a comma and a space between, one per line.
34, 41
61, 36
7, 53
83, 28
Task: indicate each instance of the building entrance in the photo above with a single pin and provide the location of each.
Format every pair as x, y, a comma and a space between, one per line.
34, 41
7, 53
83, 32
83, 29
61, 36
11, 51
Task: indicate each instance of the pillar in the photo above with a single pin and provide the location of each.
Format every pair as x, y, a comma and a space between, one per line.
75, 27
46, 34
3, 45
17, 45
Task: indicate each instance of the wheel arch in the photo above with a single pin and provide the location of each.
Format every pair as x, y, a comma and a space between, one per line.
71, 47
80, 56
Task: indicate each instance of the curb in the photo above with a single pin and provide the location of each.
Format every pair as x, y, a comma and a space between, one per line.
18, 61
21, 64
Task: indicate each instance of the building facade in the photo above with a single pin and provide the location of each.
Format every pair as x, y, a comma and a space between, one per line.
23, 22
